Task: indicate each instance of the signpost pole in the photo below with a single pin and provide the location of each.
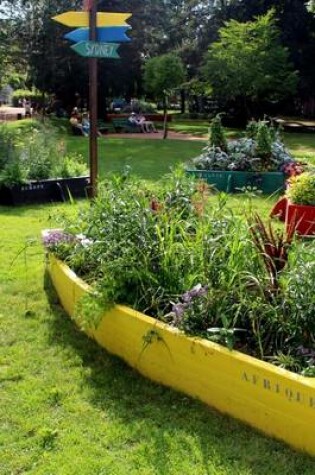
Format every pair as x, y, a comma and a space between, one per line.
93, 103
95, 48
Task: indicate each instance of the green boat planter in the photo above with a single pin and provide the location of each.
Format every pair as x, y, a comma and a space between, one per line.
271, 399
233, 181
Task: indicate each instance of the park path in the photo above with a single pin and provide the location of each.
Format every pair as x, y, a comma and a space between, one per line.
8, 113
157, 136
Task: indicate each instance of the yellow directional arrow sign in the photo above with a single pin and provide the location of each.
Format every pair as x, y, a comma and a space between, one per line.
82, 19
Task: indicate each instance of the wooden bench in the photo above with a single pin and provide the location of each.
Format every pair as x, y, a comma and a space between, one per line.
75, 130
124, 125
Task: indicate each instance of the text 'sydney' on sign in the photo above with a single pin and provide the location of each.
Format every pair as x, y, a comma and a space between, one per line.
94, 49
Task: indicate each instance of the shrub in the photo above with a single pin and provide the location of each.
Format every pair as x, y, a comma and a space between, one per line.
301, 190
217, 136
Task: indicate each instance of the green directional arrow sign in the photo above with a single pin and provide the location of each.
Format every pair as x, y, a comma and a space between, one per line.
95, 49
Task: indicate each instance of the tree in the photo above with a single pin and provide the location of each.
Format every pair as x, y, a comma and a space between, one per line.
249, 64
311, 5
163, 74
297, 26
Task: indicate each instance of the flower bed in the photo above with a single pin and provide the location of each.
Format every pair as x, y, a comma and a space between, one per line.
270, 399
258, 161
44, 191
35, 167
195, 267
297, 207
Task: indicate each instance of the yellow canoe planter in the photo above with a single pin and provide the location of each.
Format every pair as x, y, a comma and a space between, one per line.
275, 401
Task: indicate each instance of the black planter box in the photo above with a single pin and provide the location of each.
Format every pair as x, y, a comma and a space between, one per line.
45, 191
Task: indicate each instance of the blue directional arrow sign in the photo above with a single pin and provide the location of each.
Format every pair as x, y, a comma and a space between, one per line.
116, 34
94, 49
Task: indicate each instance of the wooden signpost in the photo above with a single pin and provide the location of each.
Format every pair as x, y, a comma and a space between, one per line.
100, 40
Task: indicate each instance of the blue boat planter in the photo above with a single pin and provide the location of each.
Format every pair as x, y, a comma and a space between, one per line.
233, 181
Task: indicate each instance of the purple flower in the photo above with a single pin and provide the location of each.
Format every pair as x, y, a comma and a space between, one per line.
197, 291
302, 351
54, 237
178, 309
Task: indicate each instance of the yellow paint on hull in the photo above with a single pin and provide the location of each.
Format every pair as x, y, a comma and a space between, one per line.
275, 401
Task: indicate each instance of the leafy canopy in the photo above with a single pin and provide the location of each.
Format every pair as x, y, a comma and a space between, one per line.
163, 73
249, 61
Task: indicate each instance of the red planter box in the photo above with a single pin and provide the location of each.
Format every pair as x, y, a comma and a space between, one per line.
303, 218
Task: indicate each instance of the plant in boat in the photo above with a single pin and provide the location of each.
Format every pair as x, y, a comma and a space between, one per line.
35, 154
210, 274
261, 150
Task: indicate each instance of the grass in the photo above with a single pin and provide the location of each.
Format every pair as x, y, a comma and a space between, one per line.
69, 407
149, 159
198, 127
302, 146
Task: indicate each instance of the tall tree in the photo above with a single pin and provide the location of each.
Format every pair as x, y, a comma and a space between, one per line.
249, 64
296, 25
162, 75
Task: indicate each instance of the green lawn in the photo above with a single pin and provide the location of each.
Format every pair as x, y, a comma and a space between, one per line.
149, 159
67, 407
302, 146
198, 127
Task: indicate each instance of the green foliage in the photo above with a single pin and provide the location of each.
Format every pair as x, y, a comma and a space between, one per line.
264, 141
311, 6
301, 190
167, 253
35, 153
71, 165
217, 135
20, 94
249, 62
261, 150
163, 74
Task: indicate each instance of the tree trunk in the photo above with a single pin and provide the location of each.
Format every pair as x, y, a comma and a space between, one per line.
182, 101
165, 131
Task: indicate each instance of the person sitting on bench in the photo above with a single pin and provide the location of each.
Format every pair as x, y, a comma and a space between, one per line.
76, 123
134, 122
145, 125
86, 124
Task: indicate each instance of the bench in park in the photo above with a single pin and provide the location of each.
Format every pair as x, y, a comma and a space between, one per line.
124, 125
77, 130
